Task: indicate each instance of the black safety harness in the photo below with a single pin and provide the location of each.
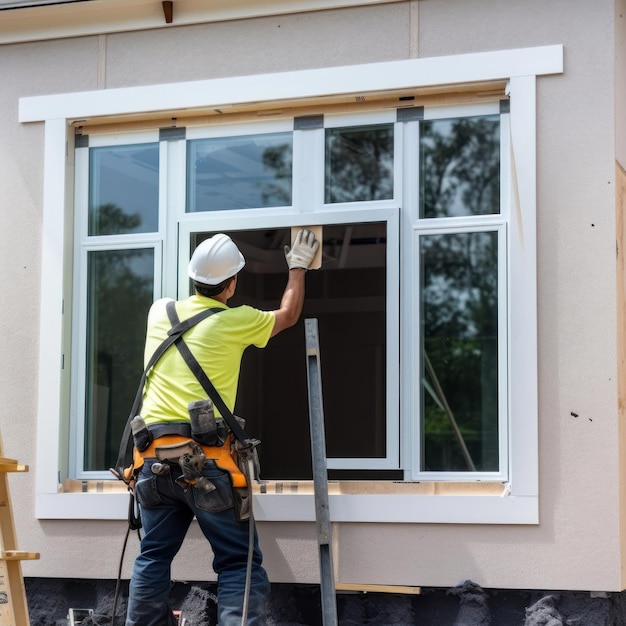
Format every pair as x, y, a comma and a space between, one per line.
175, 337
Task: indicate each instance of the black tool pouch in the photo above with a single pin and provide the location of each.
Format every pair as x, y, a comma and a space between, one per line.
206, 429
141, 435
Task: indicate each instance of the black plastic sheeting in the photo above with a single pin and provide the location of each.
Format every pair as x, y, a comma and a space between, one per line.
467, 604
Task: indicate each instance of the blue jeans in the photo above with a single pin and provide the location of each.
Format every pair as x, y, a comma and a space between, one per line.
167, 511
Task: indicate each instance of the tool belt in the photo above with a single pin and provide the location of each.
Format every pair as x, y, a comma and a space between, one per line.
173, 447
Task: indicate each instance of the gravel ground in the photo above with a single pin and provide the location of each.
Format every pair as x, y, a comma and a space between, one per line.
467, 604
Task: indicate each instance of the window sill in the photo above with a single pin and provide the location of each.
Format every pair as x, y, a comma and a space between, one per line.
363, 502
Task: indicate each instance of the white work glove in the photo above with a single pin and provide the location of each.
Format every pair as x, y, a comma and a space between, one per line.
304, 249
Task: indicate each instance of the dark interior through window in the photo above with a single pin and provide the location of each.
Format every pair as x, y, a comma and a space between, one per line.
347, 297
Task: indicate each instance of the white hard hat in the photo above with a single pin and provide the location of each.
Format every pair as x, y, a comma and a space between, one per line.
215, 260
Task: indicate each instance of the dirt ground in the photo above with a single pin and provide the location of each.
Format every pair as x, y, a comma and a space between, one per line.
467, 604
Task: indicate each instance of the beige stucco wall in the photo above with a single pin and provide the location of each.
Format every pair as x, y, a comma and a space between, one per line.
579, 499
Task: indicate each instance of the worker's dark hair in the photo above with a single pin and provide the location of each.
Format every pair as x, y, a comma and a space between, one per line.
208, 291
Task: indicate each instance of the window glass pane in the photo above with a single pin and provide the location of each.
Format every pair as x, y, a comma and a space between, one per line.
359, 164
460, 167
248, 172
124, 189
120, 292
459, 312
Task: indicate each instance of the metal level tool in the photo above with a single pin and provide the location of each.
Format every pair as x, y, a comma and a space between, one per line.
320, 475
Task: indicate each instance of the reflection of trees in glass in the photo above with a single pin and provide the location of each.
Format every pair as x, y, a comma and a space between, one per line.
359, 164
121, 292
277, 160
460, 176
460, 167
123, 181
110, 219
460, 324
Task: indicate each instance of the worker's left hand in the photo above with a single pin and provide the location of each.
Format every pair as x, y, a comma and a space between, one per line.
305, 247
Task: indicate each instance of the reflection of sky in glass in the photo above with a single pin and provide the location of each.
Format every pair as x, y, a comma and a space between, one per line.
123, 189
239, 172
359, 164
460, 167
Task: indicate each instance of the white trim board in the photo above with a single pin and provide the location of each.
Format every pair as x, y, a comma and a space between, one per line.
387, 508
304, 84
519, 66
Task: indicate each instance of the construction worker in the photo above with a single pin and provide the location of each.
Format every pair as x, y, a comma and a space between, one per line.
167, 508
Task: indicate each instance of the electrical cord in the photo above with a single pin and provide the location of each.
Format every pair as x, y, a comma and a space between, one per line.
119, 578
135, 524
246, 596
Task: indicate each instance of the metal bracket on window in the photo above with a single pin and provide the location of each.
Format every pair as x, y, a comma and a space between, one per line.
505, 106
410, 114
308, 122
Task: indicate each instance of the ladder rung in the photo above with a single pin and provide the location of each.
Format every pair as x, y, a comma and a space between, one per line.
11, 465
19, 555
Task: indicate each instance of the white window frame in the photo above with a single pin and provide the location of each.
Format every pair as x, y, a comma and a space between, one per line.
308, 209
520, 67
415, 228
390, 216
83, 245
414, 392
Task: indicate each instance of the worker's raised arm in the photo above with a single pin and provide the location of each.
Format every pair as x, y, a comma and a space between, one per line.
299, 258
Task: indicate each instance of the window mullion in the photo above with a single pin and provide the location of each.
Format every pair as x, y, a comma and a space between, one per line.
308, 170
172, 195
409, 300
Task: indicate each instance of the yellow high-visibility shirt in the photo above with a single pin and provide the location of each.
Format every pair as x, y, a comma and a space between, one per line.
217, 342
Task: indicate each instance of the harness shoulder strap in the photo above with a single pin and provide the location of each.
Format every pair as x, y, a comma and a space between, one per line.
204, 380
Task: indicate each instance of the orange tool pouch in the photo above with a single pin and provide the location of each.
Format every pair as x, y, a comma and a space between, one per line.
172, 447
